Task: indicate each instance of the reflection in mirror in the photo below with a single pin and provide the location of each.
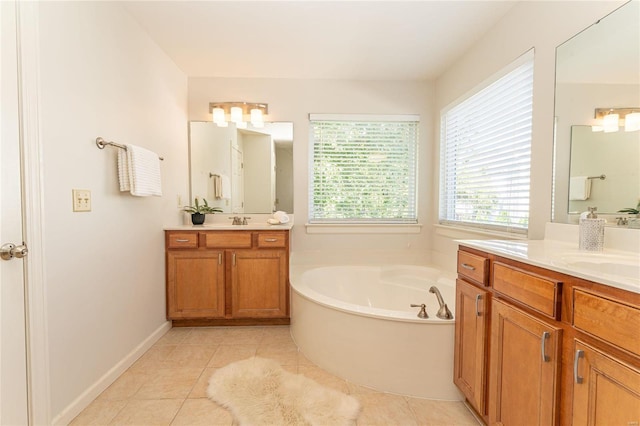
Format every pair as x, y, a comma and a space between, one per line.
242, 170
598, 68
615, 157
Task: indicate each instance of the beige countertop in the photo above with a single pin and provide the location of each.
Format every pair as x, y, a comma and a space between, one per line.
257, 226
617, 268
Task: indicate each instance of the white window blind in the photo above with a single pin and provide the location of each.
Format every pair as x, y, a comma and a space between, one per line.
486, 155
363, 169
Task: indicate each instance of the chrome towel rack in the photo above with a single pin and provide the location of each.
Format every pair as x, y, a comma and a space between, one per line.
101, 143
601, 177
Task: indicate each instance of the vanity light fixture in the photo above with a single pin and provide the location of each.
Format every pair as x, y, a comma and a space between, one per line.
238, 113
608, 119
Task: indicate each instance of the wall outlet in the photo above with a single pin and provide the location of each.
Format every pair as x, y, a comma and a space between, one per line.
81, 200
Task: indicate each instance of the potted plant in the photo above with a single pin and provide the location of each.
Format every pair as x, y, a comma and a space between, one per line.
199, 210
631, 210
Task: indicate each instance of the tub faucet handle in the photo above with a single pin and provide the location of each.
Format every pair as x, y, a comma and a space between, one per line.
423, 310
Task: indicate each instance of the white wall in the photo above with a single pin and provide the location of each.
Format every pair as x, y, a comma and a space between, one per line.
293, 100
102, 76
543, 26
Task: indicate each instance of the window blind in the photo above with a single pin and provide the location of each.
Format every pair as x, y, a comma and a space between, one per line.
363, 169
486, 155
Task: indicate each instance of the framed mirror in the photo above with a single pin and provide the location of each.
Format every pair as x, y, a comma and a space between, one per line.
242, 171
597, 69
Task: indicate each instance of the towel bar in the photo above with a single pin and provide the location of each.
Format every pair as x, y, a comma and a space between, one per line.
601, 177
101, 143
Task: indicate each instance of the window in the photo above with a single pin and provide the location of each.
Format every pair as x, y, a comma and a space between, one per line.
486, 154
363, 169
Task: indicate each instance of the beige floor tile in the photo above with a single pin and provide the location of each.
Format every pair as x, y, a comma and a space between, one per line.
99, 413
277, 334
226, 354
155, 358
126, 385
174, 336
384, 409
192, 355
170, 383
436, 413
202, 411
148, 412
243, 336
283, 353
206, 336
200, 388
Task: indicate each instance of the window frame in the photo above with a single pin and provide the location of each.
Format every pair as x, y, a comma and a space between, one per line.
443, 219
363, 225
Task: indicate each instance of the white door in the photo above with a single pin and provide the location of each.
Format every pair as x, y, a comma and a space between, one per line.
13, 366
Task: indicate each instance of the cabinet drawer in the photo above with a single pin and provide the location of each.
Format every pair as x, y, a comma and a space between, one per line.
182, 240
473, 267
539, 293
613, 321
231, 239
272, 240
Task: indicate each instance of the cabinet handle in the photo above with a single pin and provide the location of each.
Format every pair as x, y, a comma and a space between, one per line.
543, 344
576, 361
271, 240
181, 240
219, 258
478, 298
469, 267
233, 259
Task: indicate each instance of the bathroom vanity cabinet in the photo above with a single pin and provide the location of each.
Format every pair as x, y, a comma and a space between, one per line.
535, 346
227, 277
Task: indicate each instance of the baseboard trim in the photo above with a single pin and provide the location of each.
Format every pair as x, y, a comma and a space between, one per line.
81, 402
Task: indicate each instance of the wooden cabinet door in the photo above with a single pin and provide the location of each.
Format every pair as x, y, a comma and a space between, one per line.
525, 365
605, 391
195, 284
259, 285
470, 357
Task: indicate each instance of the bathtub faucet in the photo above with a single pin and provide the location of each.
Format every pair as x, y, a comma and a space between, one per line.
443, 312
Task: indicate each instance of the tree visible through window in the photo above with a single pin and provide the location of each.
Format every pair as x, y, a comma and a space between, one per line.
486, 154
363, 169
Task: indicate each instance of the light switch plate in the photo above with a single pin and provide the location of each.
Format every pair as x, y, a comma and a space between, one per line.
81, 200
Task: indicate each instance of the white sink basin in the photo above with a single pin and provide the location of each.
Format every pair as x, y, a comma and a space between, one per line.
617, 265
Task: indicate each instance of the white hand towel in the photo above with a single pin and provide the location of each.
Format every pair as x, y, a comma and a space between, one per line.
123, 170
579, 188
225, 184
281, 217
144, 172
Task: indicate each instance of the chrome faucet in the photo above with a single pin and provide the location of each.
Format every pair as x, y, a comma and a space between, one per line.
443, 312
622, 221
236, 220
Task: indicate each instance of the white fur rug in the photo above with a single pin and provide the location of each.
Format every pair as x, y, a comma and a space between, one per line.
258, 391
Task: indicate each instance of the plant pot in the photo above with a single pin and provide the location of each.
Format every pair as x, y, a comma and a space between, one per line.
197, 218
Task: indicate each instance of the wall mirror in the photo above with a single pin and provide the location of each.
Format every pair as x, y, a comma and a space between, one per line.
598, 68
242, 171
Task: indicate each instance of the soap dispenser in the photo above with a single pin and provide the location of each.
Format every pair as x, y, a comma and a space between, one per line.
591, 231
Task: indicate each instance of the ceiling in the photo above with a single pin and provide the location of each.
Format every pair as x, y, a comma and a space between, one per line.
364, 40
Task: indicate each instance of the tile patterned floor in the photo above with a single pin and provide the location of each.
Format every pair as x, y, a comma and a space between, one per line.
167, 385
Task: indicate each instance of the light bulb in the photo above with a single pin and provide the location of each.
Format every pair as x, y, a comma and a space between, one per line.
218, 116
632, 122
236, 114
610, 123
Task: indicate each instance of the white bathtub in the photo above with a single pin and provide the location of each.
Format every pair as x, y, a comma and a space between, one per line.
356, 322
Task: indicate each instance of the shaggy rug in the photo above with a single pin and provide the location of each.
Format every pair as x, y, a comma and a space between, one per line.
258, 391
